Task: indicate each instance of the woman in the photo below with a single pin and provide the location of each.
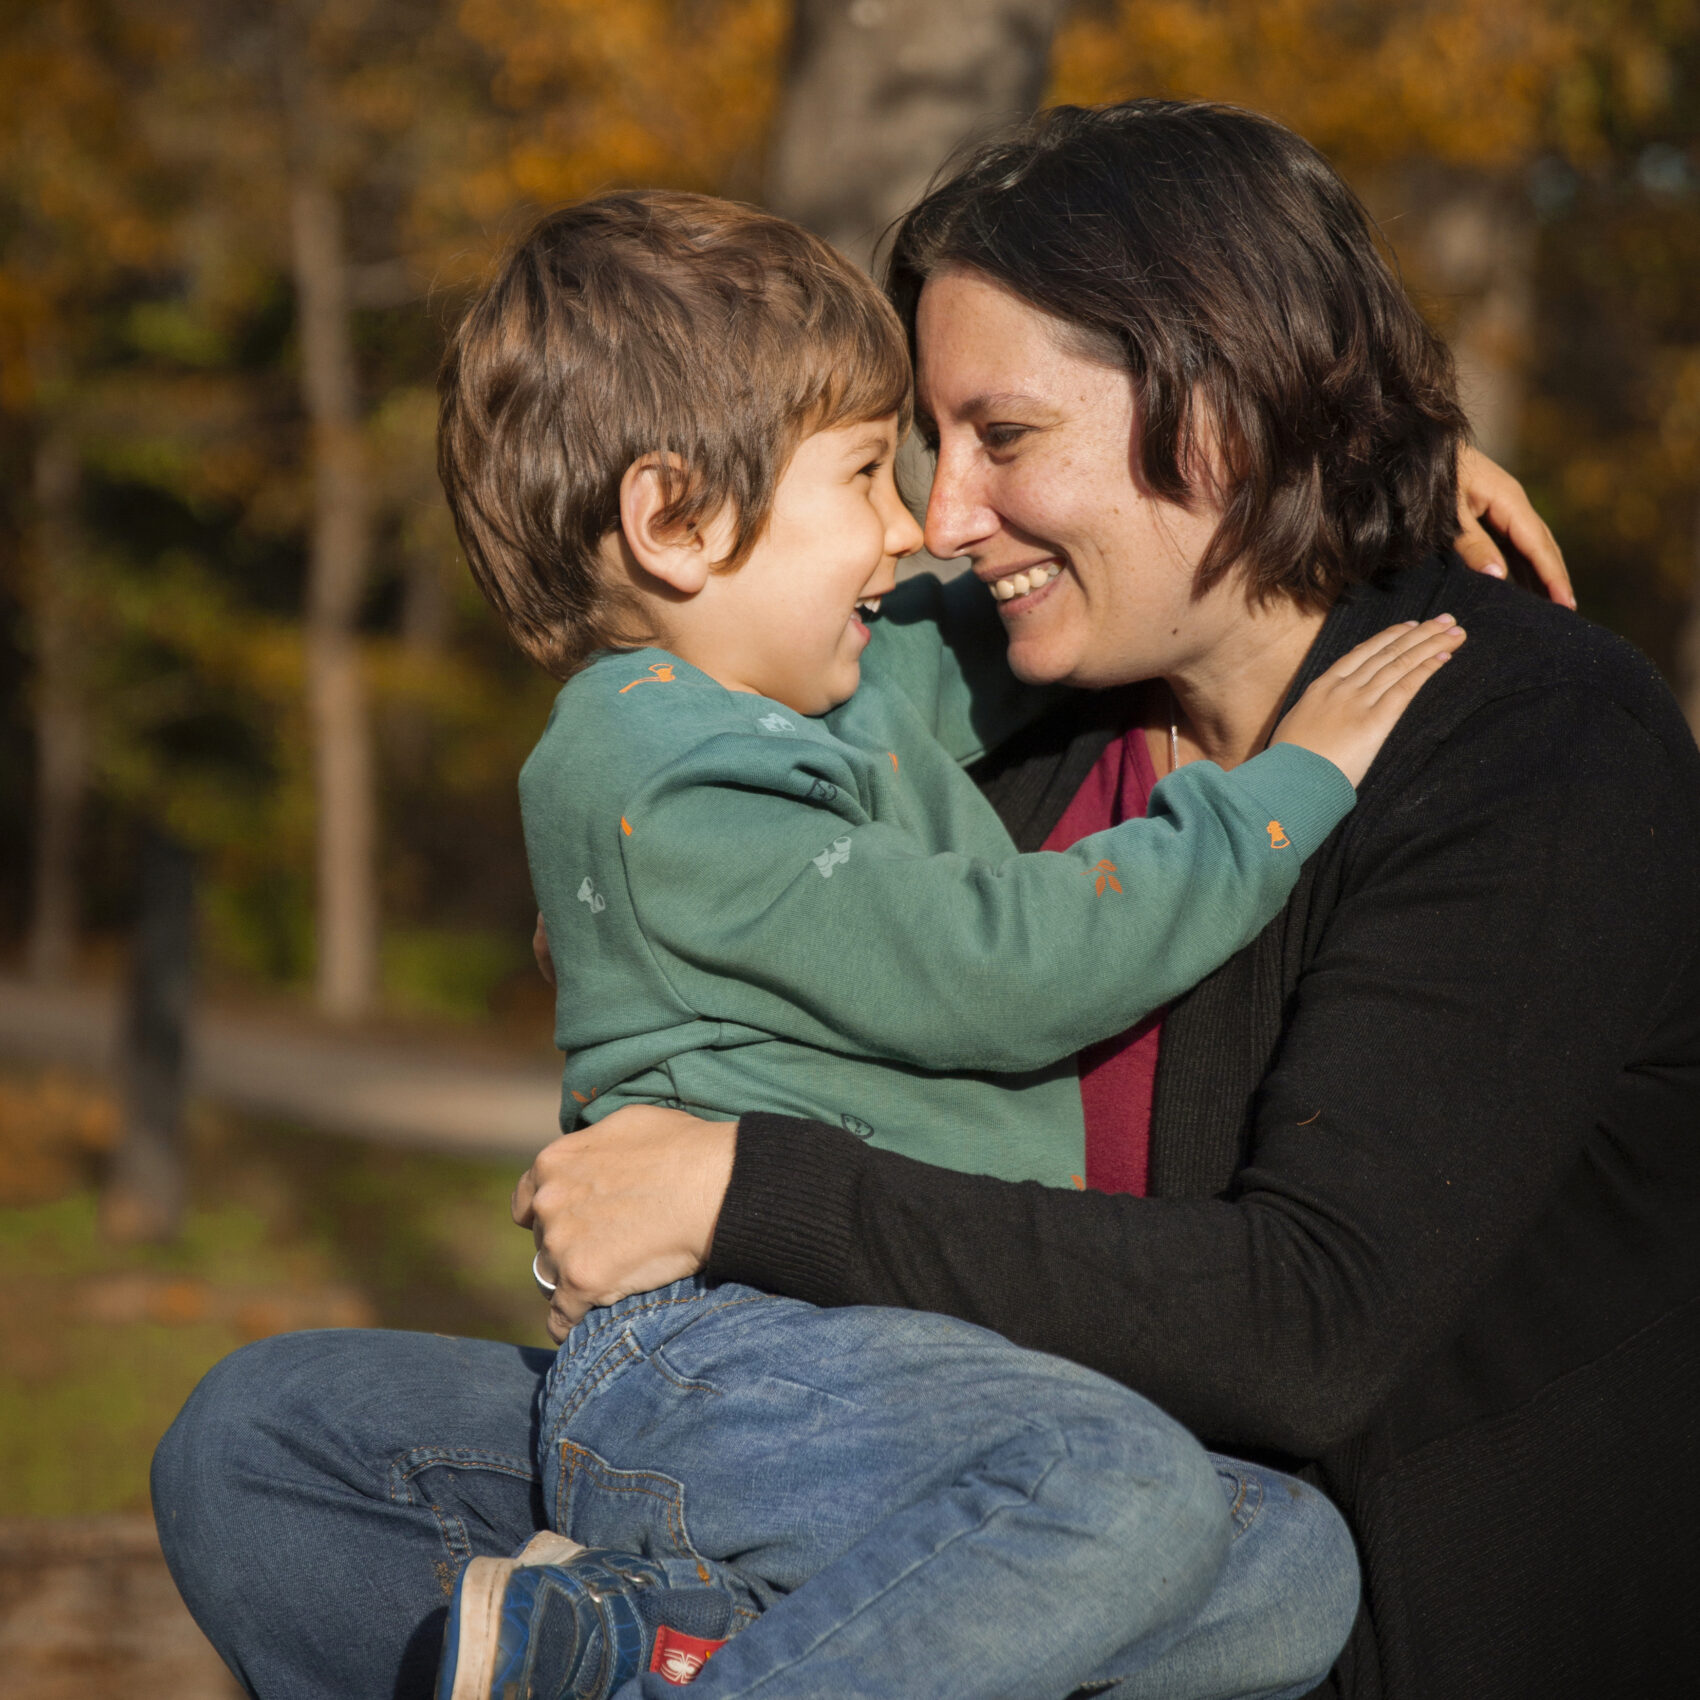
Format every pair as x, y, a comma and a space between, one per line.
1446, 1274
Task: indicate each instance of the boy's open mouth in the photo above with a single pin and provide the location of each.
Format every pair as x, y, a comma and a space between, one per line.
1025, 582
868, 607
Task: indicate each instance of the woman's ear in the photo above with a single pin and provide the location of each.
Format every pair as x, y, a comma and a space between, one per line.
679, 555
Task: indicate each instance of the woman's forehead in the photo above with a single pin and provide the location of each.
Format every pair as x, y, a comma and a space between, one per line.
977, 342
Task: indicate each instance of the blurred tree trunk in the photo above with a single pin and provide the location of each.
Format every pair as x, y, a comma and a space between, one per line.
425, 624
61, 726
144, 1194
1476, 251
877, 94
346, 928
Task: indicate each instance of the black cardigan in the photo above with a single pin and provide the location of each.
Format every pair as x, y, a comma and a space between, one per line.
1425, 1170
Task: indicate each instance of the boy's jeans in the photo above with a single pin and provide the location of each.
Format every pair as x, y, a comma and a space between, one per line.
319, 1493
971, 1519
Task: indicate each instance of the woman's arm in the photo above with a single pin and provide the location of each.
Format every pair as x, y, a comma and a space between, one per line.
1485, 978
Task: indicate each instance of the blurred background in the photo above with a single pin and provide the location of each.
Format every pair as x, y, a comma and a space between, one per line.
271, 1044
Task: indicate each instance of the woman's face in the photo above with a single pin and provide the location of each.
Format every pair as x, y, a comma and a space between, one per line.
1035, 472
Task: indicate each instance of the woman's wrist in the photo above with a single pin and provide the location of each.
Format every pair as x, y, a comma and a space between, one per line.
786, 1221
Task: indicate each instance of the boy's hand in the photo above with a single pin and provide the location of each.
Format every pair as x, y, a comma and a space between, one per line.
1347, 713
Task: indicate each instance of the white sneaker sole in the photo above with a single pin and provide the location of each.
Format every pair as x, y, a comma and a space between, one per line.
481, 1593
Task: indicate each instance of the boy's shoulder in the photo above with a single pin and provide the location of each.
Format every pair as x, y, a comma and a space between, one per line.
632, 715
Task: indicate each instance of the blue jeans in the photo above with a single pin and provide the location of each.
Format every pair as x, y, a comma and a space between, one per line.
970, 1519
319, 1493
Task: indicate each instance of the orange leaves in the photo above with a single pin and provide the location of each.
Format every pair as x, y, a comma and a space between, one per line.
1106, 876
647, 91
1455, 80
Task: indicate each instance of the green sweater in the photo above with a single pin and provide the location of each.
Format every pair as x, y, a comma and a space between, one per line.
751, 909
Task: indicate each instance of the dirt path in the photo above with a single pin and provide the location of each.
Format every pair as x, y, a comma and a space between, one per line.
395, 1091
87, 1607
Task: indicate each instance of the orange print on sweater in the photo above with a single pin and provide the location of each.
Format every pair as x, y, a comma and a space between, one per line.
1106, 872
1278, 839
660, 673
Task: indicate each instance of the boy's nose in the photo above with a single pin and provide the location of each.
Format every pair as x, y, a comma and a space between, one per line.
903, 536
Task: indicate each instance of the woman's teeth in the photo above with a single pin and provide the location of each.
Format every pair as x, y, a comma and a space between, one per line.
1019, 584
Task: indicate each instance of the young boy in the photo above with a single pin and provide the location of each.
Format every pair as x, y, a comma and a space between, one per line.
668, 437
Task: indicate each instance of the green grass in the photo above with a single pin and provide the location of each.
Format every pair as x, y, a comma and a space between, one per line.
100, 1344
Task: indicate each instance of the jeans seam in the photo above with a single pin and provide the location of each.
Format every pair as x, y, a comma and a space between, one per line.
866, 1605
602, 1370
686, 1384
456, 1541
624, 1351
407, 1465
616, 1318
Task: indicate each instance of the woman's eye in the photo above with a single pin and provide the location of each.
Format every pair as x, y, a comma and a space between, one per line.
1002, 436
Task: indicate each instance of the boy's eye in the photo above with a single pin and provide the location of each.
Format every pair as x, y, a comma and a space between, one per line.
871, 470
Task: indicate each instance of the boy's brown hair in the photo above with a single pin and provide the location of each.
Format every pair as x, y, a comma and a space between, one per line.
634, 324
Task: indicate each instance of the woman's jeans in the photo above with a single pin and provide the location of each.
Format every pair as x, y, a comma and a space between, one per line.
971, 1519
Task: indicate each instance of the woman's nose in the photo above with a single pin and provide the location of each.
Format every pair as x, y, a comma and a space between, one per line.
958, 516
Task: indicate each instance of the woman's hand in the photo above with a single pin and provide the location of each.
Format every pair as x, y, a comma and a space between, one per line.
624, 1206
1487, 491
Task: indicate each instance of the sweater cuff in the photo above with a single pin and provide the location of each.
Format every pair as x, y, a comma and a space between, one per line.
1306, 794
786, 1223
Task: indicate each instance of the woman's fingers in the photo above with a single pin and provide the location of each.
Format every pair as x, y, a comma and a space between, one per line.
1487, 492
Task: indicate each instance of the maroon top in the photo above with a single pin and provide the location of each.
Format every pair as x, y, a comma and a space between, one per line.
1117, 1075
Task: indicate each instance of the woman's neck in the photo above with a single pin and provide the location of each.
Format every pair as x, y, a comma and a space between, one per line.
1226, 700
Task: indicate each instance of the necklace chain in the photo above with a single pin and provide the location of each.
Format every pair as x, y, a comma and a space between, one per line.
1174, 732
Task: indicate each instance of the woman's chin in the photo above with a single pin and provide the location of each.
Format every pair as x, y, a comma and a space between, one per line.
1034, 661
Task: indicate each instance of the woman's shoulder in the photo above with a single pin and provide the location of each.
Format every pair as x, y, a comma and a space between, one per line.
1528, 669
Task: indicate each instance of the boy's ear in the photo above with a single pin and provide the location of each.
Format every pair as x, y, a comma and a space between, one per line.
679, 555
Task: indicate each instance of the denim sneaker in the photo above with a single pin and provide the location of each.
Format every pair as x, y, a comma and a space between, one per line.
566, 1622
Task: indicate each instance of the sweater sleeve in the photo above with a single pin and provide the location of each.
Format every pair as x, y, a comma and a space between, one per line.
770, 899
1484, 976
941, 643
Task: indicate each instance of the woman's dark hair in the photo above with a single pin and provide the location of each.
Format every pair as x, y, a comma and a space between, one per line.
1275, 356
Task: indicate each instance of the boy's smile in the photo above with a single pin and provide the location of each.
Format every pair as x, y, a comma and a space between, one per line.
788, 623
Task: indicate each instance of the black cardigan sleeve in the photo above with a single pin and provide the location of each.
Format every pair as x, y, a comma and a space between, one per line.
1509, 931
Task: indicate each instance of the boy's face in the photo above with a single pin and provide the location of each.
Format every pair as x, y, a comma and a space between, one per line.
786, 623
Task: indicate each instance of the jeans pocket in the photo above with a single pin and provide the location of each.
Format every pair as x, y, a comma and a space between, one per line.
1244, 1493
602, 1505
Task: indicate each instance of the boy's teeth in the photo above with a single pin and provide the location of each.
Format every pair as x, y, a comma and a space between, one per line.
1019, 584
871, 603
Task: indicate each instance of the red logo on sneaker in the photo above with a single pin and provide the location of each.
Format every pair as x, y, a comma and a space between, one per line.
678, 1657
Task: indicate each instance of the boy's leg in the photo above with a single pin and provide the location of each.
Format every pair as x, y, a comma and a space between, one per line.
319, 1493
972, 1519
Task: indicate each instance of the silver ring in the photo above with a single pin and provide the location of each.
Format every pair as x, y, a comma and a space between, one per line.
546, 1288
